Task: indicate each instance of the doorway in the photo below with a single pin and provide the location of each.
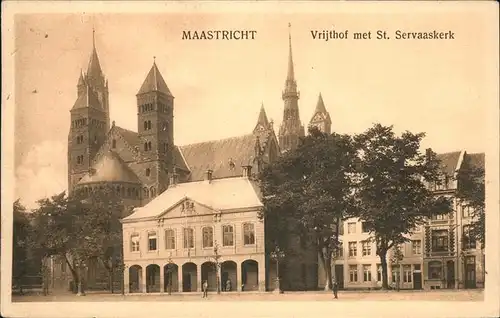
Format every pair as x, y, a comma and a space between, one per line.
186, 282
417, 279
450, 274
470, 272
339, 275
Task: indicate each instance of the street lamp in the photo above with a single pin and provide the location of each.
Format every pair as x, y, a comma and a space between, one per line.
277, 255
170, 268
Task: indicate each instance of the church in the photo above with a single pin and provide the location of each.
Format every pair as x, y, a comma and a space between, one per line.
162, 183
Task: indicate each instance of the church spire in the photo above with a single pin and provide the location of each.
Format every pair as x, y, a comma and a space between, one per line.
290, 75
94, 70
262, 120
321, 118
154, 82
320, 106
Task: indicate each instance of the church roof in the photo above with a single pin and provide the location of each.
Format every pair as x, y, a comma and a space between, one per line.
87, 99
154, 82
224, 157
218, 195
449, 161
110, 168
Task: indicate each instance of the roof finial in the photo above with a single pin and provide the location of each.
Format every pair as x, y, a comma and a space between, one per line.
154, 59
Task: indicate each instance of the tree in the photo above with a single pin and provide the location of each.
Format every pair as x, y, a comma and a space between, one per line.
308, 192
78, 229
392, 190
20, 253
471, 194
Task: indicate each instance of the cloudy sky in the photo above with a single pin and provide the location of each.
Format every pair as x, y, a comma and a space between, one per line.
442, 88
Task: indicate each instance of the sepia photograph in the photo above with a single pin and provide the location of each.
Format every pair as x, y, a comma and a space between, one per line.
330, 159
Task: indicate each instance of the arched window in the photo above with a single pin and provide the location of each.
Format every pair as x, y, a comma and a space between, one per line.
113, 144
248, 234
146, 193
227, 235
153, 192
148, 172
188, 238
170, 239
208, 236
145, 125
149, 124
149, 145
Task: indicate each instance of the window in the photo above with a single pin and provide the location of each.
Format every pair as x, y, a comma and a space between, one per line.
364, 227
227, 235
416, 247
208, 237
353, 273
395, 274
170, 239
466, 212
146, 193
248, 234
147, 125
440, 217
148, 172
339, 252
416, 267
367, 248
152, 192
353, 249
407, 273
367, 273
439, 240
379, 272
79, 139
468, 241
188, 238
134, 243
164, 126
435, 270
113, 144
79, 159
152, 241
351, 228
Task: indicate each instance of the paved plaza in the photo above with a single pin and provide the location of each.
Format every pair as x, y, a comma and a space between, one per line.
443, 295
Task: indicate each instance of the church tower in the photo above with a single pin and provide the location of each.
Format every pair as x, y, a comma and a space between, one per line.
155, 108
321, 117
89, 120
291, 128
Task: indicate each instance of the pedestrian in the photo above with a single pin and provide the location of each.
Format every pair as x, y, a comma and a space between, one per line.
205, 289
335, 288
228, 285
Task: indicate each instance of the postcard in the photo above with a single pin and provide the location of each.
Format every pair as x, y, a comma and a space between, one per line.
250, 158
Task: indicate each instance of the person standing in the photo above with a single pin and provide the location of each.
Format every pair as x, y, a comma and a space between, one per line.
205, 289
335, 288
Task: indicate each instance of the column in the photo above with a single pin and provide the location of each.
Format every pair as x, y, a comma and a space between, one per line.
238, 276
219, 276
144, 280
262, 276
126, 280
162, 279
179, 278
199, 282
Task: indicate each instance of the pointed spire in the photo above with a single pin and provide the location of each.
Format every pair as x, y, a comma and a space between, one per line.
262, 116
94, 68
154, 82
290, 75
81, 81
320, 106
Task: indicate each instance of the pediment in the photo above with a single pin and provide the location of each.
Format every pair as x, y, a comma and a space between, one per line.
186, 207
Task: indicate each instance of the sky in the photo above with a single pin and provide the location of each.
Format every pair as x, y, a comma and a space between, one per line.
442, 88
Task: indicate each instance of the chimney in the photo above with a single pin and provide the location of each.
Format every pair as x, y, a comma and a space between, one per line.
247, 171
208, 175
428, 154
173, 179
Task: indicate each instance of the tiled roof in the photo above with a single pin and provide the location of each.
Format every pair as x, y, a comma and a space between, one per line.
477, 159
217, 156
449, 162
87, 99
219, 195
154, 82
110, 168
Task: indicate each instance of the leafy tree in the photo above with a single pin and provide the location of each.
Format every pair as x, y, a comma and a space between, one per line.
392, 188
471, 194
20, 253
78, 229
308, 192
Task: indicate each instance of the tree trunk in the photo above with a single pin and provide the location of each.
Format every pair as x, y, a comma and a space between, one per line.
383, 262
327, 265
74, 274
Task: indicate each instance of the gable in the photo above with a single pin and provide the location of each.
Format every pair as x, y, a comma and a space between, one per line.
186, 207
124, 150
318, 117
